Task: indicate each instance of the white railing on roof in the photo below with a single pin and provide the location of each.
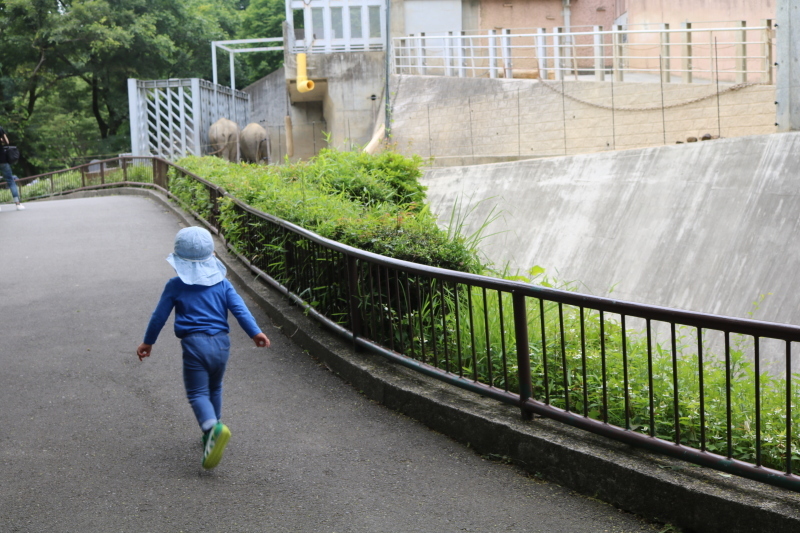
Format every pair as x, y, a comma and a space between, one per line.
339, 25
736, 54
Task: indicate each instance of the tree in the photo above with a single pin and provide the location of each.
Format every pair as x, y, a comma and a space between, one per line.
73, 58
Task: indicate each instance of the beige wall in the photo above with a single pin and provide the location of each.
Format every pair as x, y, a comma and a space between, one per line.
675, 12
497, 120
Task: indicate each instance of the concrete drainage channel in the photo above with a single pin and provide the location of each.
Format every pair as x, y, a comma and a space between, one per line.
691, 497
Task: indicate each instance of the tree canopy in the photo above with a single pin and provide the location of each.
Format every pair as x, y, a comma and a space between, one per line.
64, 65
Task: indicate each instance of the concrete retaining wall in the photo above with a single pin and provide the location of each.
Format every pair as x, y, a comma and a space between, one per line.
707, 227
467, 121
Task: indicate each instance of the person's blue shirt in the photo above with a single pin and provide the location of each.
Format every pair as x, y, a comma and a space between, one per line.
200, 309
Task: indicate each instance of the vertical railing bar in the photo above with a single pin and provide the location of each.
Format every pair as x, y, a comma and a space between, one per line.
411, 329
603, 364
788, 407
459, 353
728, 414
757, 367
434, 344
381, 306
400, 314
443, 307
503, 340
675, 403
701, 385
372, 314
583, 364
472, 335
523, 351
389, 316
421, 320
546, 378
564, 368
625, 381
487, 340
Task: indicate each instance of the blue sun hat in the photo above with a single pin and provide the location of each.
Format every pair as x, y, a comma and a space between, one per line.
194, 259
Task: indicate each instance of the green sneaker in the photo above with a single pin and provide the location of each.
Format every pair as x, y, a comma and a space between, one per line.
215, 441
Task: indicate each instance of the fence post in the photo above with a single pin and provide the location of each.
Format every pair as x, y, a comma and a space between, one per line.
124, 162
766, 52
559, 73
356, 325
505, 48
160, 172
618, 53
665, 66
213, 214
740, 53
421, 54
102, 173
599, 60
492, 42
523, 351
448, 42
460, 54
83, 177
686, 59
541, 53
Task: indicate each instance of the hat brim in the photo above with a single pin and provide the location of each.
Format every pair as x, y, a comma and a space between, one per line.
208, 272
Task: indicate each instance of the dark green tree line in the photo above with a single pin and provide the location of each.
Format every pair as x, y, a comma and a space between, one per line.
64, 66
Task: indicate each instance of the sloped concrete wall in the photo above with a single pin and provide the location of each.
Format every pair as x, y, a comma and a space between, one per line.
708, 227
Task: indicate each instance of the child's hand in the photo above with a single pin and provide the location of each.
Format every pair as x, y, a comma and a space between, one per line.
144, 350
261, 340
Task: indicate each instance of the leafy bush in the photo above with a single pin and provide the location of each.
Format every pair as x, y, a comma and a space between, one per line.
374, 203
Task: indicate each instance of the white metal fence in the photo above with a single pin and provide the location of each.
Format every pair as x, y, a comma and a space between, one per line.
171, 118
689, 54
339, 26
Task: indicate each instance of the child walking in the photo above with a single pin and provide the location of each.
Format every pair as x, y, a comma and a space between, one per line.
202, 297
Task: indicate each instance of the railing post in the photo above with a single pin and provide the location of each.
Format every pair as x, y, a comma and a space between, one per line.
766, 52
666, 77
686, 55
559, 73
356, 325
523, 351
102, 173
599, 60
213, 214
160, 173
448, 43
460, 55
619, 53
740, 53
83, 177
505, 44
492, 43
541, 53
421, 54
124, 162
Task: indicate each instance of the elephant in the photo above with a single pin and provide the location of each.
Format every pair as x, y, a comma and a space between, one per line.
223, 136
255, 144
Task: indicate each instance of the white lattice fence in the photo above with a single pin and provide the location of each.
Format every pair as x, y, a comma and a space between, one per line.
171, 118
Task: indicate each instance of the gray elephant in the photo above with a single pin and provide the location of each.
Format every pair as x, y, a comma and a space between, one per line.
223, 136
255, 144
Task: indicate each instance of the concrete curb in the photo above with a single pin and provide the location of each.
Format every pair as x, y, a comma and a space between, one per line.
658, 488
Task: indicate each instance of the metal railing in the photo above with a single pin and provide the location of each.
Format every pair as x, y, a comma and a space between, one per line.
711, 390
738, 54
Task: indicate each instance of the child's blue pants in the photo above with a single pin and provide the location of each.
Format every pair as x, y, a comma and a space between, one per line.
204, 361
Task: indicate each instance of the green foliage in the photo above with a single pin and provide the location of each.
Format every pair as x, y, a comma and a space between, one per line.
374, 203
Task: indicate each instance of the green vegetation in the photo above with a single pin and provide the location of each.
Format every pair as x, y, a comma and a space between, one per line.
374, 203
65, 66
592, 364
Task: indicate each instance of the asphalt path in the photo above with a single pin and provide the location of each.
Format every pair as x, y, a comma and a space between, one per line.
92, 439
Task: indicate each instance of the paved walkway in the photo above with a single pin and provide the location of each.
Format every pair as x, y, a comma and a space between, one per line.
93, 440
